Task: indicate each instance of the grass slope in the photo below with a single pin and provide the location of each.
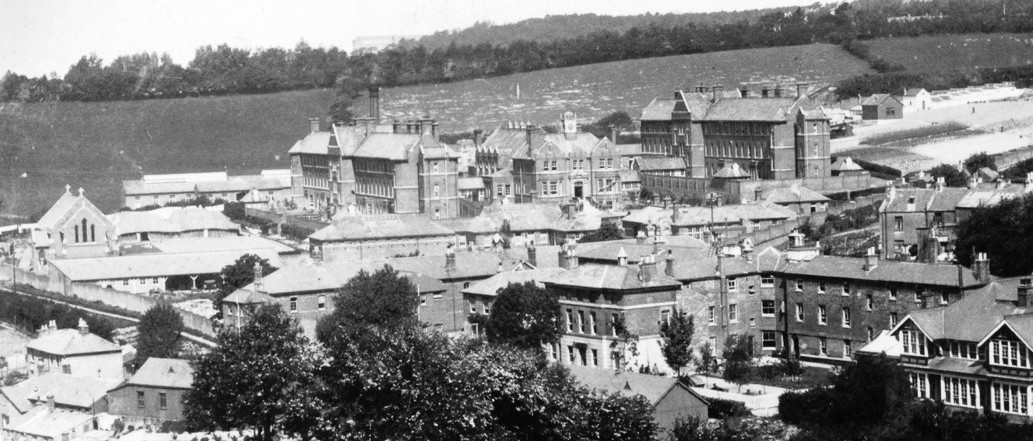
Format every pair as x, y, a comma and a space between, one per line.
938, 54
97, 145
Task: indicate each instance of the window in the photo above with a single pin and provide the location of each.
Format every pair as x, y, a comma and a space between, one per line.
823, 315
799, 312
1009, 398
913, 342
846, 317
733, 313
821, 287
767, 308
898, 223
869, 302
960, 391
846, 289
437, 190
125, 282
141, 400
767, 340
767, 281
614, 319
294, 304
592, 323
847, 349
918, 295
871, 333
570, 320
799, 285
919, 384
434, 166
958, 349
154, 280
66, 369
944, 298
554, 351
753, 322
163, 401
581, 322
595, 357
893, 319
321, 302
486, 308
665, 316
823, 346
893, 293
1008, 353
570, 354
710, 315
731, 284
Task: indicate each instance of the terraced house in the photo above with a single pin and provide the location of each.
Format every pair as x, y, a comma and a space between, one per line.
770, 135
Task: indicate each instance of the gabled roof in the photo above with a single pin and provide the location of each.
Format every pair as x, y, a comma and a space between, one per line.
471, 183
752, 109
658, 110
390, 146
732, 214
68, 342
628, 176
68, 390
164, 372
492, 285
557, 144
878, 99
913, 91
45, 423
314, 143
375, 227
886, 271
153, 265
58, 211
845, 163
731, 170
925, 199
794, 194
652, 387
611, 277
972, 317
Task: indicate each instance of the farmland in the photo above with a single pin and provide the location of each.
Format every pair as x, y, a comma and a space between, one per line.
965, 53
97, 145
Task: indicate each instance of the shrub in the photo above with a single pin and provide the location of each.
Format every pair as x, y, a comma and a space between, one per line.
812, 406
721, 408
878, 170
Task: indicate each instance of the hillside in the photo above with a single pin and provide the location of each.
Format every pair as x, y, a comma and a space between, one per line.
96, 145
939, 54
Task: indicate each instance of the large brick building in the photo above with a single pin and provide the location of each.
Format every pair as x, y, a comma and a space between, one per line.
375, 168
771, 136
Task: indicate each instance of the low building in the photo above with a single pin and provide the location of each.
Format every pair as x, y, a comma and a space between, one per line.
161, 190
915, 100
699, 221
472, 188
66, 392
145, 226
845, 166
671, 400
154, 394
801, 200
47, 423
882, 106
353, 238
660, 165
74, 352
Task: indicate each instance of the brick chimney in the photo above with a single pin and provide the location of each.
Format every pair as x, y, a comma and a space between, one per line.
669, 267
313, 124
532, 254
374, 103
450, 258
257, 276
871, 259
83, 327
478, 137
613, 134
622, 257
50, 401
715, 93
1022, 294
801, 89
640, 238
647, 268
568, 256
658, 243
981, 268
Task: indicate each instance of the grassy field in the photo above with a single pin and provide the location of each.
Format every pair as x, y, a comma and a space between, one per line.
97, 145
942, 53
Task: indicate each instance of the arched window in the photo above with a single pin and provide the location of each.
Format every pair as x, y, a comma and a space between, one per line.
84, 238
93, 233
76, 234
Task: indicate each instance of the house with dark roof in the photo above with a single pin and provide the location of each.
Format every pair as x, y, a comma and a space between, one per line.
771, 135
845, 166
74, 352
145, 226
64, 391
671, 400
480, 295
882, 106
797, 198
154, 394
364, 237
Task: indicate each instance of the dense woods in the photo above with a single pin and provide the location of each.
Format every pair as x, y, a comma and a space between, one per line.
225, 70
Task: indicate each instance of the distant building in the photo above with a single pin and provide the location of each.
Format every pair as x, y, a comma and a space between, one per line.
74, 352
68, 392
166, 223
915, 100
882, 106
801, 200
164, 189
660, 165
845, 166
671, 400
48, 423
481, 295
72, 228
154, 394
770, 136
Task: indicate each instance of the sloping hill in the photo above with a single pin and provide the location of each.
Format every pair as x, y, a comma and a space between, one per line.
939, 54
96, 145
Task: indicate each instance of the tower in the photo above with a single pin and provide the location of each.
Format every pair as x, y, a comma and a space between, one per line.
812, 144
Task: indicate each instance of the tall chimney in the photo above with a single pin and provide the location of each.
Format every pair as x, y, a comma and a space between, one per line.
801, 90
50, 402
1022, 295
532, 254
478, 135
450, 258
613, 134
257, 276
313, 124
669, 267
716, 92
647, 268
981, 267
658, 243
374, 103
871, 260
622, 257
83, 327
640, 238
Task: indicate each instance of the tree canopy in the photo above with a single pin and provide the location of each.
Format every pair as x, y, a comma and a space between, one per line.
1004, 231
979, 160
950, 174
238, 275
525, 316
738, 355
383, 298
676, 336
159, 330
606, 231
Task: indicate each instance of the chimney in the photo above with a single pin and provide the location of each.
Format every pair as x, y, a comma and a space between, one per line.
396, 127
569, 123
801, 90
622, 257
716, 93
478, 137
647, 268
568, 211
81, 191
450, 258
797, 237
871, 260
675, 214
52, 325
50, 401
532, 254
316, 253
669, 267
434, 128
374, 103
981, 268
1001, 183
613, 134
1029, 181
1022, 295
941, 182
257, 276
313, 124
758, 193
667, 201
640, 238
530, 131
83, 327
658, 243
568, 256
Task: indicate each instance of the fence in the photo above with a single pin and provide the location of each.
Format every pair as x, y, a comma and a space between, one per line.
1008, 159
93, 293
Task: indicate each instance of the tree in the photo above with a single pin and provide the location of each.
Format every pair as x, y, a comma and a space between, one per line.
707, 360
159, 330
677, 340
950, 174
606, 231
380, 299
738, 357
624, 346
525, 316
979, 160
261, 377
1004, 231
238, 275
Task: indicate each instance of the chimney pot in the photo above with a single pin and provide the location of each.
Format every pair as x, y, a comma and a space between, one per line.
801, 90
50, 401
313, 124
669, 267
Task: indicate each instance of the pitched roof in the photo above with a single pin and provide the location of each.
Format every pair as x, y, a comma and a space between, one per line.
751, 109
654, 163
913, 91
153, 265
734, 214
68, 390
731, 170
471, 183
373, 227
226, 243
973, 316
66, 342
46, 423
845, 163
492, 285
57, 211
231, 184
557, 144
628, 175
658, 110
794, 194
878, 99
164, 372
391, 146
314, 143
886, 271
611, 277
652, 387
924, 199
174, 220
630, 149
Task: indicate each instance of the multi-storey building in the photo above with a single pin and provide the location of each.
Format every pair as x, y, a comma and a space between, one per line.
770, 137
376, 168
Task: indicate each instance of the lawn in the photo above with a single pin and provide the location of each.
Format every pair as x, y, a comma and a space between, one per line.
97, 145
945, 53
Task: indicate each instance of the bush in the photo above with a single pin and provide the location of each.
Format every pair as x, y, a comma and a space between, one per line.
15, 377
721, 408
813, 406
296, 232
878, 170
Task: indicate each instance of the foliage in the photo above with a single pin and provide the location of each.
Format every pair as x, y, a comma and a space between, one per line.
862, 393
738, 355
865, 85
979, 160
237, 275
606, 231
950, 174
296, 232
380, 299
1019, 171
525, 316
235, 211
722, 408
707, 359
1004, 231
15, 377
620, 120
159, 330
624, 346
30, 313
676, 337
878, 170
262, 377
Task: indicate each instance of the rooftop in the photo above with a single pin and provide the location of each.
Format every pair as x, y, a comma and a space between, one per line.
164, 372
153, 265
660, 163
652, 387
886, 271
492, 285
611, 277
372, 227
68, 390
66, 342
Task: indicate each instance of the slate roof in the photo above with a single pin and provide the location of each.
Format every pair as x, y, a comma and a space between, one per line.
972, 317
68, 342
391, 146
845, 163
164, 372
658, 110
228, 243
44, 423
660, 163
153, 265
724, 214
491, 285
375, 227
751, 109
582, 144
878, 99
504, 141
913, 91
232, 184
543, 217
472, 183
794, 195
68, 390
886, 271
611, 277
926, 199
314, 143
731, 171
652, 387
170, 221
628, 176
630, 149
57, 211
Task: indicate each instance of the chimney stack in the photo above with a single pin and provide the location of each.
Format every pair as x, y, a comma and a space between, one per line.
1022, 295
758, 193
640, 238
532, 254
658, 243
765, 92
613, 134
622, 257
716, 93
83, 327
450, 258
50, 401
1029, 181
478, 137
257, 276
941, 183
52, 325
981, 268
797, 237
647, 268
669, 267
396, 127
871, 260
568, 255
313, 124
374, 103
801, 90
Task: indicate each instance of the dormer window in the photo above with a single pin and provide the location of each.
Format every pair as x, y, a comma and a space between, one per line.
913, 342
1008, 353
